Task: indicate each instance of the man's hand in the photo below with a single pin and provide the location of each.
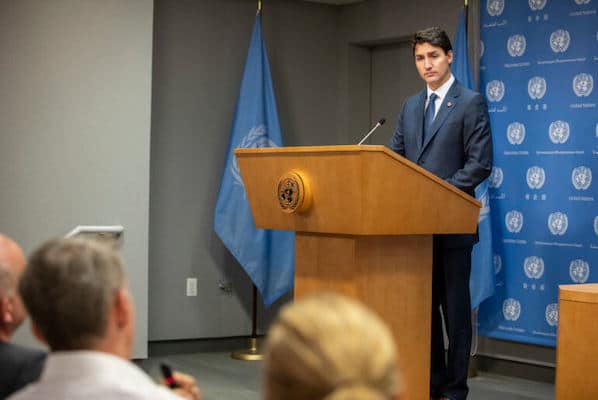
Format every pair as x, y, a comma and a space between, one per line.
186, 386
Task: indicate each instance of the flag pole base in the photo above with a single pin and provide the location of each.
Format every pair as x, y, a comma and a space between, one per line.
250, 354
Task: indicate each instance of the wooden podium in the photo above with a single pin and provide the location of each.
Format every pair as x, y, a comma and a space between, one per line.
576, 352
367, 233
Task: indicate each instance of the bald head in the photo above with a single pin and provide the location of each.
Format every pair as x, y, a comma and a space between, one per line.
12, 264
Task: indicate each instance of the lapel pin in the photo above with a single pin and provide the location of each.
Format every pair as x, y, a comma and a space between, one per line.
449, 104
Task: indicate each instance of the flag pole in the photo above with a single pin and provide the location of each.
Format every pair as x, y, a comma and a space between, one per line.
466, 8
252, 353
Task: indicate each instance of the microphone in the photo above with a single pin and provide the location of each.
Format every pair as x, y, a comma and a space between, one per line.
378, 124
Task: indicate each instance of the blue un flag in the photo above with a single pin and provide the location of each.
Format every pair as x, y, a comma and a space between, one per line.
266, 255
481, 282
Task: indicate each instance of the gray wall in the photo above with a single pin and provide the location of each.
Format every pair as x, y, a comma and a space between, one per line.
75, 78
199, 54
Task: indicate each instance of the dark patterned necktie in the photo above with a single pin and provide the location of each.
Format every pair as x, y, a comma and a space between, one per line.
429, 116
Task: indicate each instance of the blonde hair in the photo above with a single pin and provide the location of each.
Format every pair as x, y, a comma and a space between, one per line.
330, 347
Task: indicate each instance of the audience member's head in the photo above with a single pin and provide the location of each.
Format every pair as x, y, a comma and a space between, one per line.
330, 347
12, 263
76, 294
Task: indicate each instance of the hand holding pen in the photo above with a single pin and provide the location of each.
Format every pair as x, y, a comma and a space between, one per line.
182, 384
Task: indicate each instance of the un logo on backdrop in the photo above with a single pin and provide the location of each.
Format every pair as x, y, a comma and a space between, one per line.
515, 132
536, 5
558, 223
581, 177
533, 267
581, 2
516, 45
256, 137
583, 84
482, 49
536, 87
558, 132
495, 90
511, 309
552, 314
560, 40
596, 225
496, 177
579, 271
535, 177
497, 263
495, 7
514, 221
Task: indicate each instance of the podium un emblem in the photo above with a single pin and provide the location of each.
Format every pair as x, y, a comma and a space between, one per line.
293, 192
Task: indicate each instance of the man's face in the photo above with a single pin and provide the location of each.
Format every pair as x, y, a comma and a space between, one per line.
13, 260
19, 312
433, 64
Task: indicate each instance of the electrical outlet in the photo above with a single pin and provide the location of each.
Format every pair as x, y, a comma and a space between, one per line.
191, 286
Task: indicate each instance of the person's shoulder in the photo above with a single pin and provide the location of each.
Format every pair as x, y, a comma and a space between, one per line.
155, 392
467, 93
29, 392
10, 352
417, 96
412, 102
20, 366
33, 392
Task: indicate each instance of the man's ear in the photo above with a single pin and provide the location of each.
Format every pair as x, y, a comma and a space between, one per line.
449, 54
37, 333
122, 308
5, 310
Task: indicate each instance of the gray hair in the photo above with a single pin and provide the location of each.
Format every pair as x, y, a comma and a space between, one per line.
68, 287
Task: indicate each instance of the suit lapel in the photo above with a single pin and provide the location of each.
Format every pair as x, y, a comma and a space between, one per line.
447, 106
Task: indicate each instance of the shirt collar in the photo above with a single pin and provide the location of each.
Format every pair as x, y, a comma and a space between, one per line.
442, 90
70, 365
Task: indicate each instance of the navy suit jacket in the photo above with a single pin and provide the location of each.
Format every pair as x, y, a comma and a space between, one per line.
458, 149
19, 366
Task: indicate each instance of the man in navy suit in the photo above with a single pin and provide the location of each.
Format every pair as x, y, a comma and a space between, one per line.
446, 130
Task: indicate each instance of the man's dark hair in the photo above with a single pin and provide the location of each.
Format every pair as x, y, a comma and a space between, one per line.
435, 36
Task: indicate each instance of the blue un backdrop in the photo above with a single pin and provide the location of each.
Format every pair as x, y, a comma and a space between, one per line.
538, 68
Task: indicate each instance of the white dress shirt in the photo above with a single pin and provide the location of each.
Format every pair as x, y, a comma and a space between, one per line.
441, 93
91, 375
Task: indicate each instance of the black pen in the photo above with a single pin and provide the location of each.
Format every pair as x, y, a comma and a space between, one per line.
167, 374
